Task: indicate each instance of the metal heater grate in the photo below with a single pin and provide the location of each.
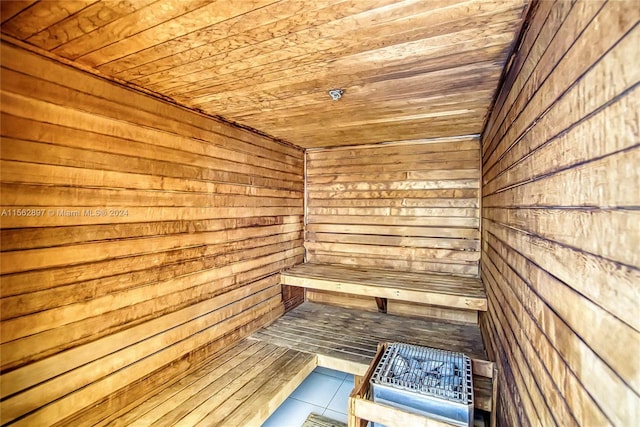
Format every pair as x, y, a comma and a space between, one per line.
443, 379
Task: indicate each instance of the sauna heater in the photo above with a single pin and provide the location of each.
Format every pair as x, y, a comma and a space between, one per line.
426, 381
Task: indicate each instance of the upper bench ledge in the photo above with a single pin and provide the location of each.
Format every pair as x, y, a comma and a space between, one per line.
428, 288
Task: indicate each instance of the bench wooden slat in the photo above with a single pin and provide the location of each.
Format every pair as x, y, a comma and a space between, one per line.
275, 388
164, 402
231, 391
437, 289
241, 386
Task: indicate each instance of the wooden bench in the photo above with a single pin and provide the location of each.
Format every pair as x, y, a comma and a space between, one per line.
244, 382
112, 361
241, 386
347, 340
435, 289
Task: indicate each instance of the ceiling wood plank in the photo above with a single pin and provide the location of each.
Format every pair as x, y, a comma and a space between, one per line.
312, 39
85, 21
410, 69
140, 20
219, 11
41, 15
10, 8
261, 24
435, 36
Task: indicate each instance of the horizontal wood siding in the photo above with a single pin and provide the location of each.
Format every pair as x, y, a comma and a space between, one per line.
399, 308
133, 233
561, 219
410, 206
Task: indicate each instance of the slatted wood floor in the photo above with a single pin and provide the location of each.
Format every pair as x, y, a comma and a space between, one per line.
347, 339
240, 387
436, 289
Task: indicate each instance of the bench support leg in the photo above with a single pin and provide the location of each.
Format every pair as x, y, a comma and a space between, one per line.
382, 304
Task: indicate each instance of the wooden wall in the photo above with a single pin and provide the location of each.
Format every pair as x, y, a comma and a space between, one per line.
133, 233
561, 224
410, 206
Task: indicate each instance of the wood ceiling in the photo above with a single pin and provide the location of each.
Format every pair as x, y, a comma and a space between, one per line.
410, 69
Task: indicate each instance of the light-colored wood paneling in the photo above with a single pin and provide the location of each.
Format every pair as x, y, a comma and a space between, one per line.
410, 68
135, 234
410, 309
399, 308
412, 206
340, 299
561, 229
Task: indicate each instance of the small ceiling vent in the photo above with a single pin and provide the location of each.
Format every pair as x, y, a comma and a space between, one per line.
336, 94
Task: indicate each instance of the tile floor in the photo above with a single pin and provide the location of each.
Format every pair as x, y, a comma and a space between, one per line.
324, 391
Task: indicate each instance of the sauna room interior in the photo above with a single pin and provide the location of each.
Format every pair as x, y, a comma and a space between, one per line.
202, 201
